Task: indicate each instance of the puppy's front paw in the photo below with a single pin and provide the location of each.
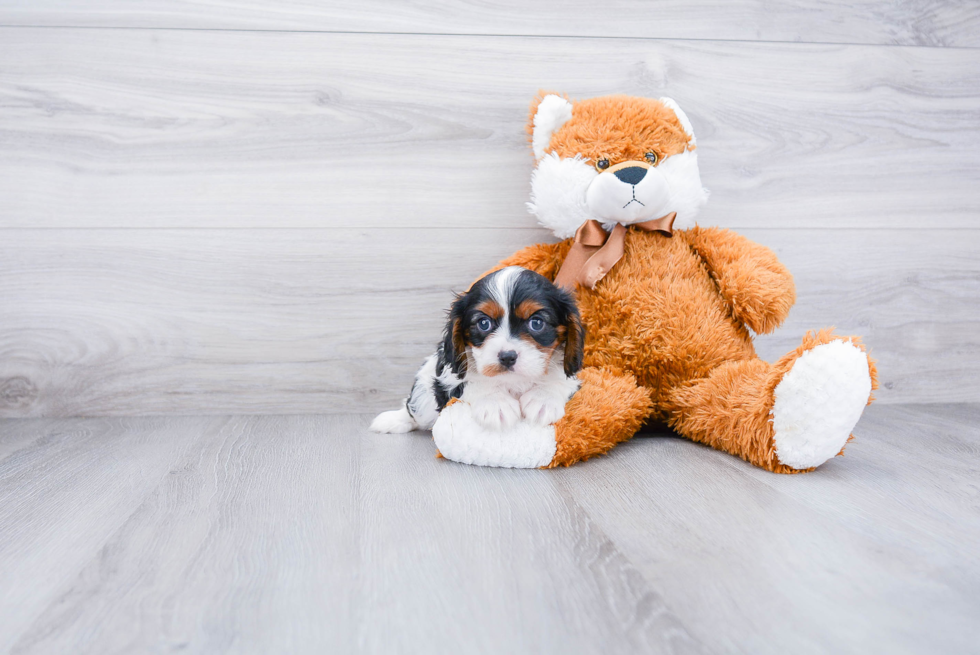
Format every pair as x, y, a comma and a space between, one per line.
542, 408
497, 412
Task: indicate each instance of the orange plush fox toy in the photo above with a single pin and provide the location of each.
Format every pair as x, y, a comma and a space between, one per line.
667, 305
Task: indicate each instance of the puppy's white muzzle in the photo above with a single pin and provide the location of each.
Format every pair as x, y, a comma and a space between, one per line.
528, 361
626, 194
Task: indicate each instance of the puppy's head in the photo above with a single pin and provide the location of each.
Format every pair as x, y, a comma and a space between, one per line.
614, 159
514, 322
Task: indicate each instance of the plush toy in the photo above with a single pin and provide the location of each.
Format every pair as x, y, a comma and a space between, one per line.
668, 306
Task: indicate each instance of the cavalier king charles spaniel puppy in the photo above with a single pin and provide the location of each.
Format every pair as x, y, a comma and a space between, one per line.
512, 349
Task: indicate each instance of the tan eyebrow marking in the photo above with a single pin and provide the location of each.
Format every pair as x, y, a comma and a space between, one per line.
491, 308
527, 309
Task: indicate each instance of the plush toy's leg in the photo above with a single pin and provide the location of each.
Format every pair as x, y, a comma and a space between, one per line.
461, 438
606, 410
786, 417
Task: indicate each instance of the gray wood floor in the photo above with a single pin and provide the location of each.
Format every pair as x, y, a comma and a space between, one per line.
309, 534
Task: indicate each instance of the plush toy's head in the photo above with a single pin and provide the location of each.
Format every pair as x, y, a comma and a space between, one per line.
614, 159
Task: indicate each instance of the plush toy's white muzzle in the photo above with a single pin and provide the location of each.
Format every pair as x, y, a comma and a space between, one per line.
630, 193
567, 191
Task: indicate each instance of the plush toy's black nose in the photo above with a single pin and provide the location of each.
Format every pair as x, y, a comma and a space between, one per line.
631, 174
508, 358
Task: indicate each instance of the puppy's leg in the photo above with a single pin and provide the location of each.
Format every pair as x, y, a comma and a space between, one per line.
394, 422
420, 409
544, 404
495, 411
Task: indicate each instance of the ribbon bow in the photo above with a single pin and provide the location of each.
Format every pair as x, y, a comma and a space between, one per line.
595, 252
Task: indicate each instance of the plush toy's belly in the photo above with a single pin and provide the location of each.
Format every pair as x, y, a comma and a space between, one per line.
659, 315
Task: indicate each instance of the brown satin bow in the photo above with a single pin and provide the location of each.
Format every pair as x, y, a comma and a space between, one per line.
595, 252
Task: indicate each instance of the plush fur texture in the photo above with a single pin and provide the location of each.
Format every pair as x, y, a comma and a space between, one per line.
567, 187
592, 425
669, 326
461, 438
811, 427
674, 314
552, 112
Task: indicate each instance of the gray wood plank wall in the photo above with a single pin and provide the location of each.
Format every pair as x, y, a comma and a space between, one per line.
221, 207
894, 22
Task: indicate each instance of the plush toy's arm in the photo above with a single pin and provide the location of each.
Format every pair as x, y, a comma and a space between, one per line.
543, 258
755, 284
608, 409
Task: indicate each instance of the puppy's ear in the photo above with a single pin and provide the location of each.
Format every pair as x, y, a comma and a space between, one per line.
454, 345
574, 337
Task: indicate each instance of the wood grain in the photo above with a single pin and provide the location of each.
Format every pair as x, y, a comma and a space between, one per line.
304, 534
107, 322
151, 128
873, 548
410, 149
897, 454
307, 534
234, 207
923, 22
64, 494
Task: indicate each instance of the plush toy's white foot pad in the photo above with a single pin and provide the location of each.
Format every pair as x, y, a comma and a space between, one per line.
818, 402
460, 438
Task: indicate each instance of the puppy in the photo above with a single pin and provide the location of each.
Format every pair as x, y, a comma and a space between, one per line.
512, 348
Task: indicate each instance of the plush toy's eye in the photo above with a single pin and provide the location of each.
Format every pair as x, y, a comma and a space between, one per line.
602, 164
484, 324
535, 324
651, 158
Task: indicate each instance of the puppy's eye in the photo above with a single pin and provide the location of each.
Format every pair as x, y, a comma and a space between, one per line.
535, 324
484, 324
651, 158
602, 164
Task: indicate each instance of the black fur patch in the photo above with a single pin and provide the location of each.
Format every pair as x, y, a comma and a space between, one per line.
558, 309
444, 393
463, 328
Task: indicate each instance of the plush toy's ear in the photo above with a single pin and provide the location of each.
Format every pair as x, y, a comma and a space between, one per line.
682, 117
453, 344
547, 115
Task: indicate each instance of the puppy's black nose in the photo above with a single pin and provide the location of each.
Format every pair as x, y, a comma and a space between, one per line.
508, 358
631, 174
